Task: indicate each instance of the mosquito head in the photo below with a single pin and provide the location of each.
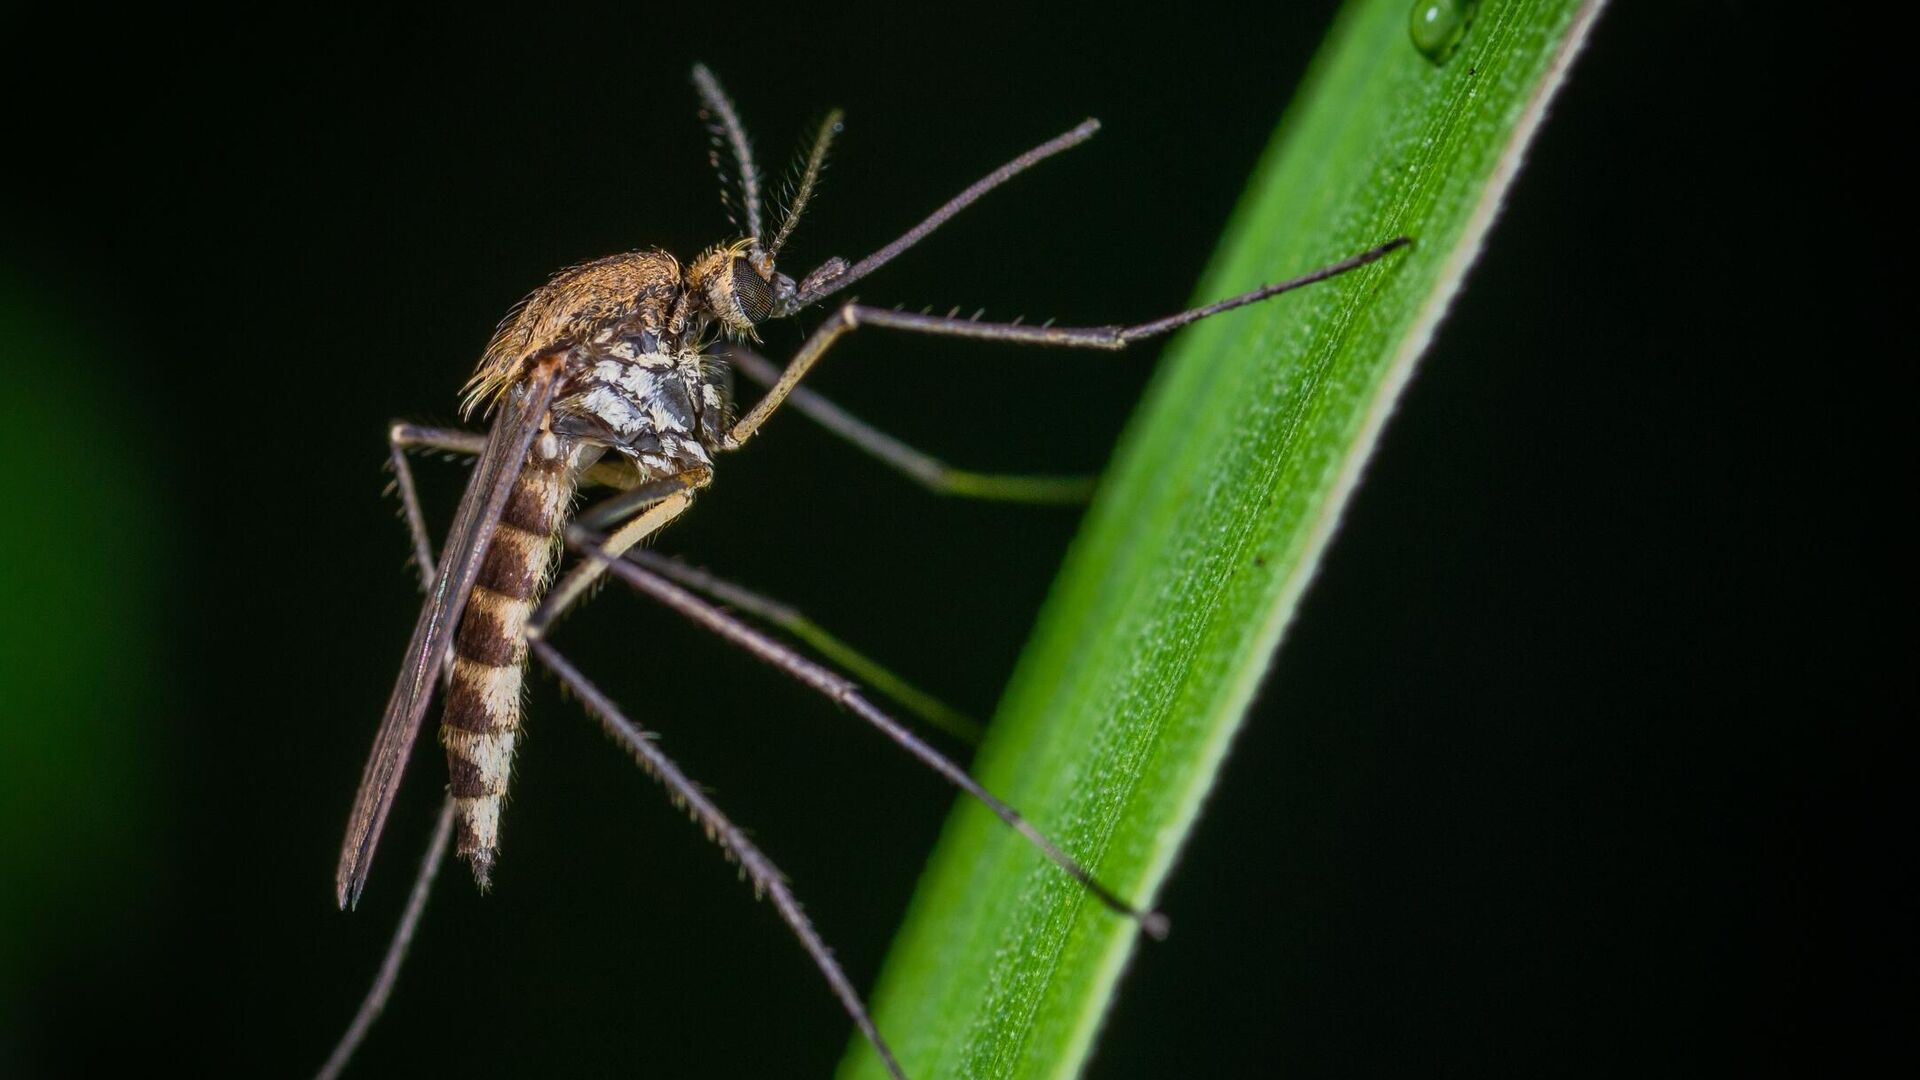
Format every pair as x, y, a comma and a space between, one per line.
738, 288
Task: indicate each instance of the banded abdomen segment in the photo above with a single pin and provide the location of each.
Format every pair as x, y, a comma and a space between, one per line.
482, 717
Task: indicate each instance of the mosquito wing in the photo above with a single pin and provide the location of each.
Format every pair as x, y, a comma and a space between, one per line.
514, 429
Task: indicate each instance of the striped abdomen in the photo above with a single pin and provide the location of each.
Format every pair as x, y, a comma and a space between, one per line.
482, 717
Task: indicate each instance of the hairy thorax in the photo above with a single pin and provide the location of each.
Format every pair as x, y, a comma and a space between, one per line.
637, 380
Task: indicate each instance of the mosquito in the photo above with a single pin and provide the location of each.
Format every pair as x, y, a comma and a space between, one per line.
618, 374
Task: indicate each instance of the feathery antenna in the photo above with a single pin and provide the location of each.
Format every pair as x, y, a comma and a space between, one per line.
724, 124
816, 159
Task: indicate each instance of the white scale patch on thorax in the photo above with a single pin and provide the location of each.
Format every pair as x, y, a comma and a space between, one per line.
649, 403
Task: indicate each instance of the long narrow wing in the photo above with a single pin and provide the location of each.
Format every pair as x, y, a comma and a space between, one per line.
518, 423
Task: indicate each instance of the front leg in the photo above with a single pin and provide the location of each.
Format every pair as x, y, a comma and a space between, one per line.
1107, 338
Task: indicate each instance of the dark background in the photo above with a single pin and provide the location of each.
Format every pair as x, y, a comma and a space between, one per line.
1573, 760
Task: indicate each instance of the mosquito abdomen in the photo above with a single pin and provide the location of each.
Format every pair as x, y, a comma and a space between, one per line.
482, 717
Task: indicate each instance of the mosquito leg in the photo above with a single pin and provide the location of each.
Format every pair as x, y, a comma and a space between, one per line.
834, 275
848, 696
410, 436
633, 498
615, 473
766, 877
648, 508
630, 501
1111, 338
376, 999
930, 472
402, 437
922, 704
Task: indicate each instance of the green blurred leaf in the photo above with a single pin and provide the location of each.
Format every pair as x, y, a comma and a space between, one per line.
82, 538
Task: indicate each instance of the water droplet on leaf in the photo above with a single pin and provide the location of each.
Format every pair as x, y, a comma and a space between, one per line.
1438, 25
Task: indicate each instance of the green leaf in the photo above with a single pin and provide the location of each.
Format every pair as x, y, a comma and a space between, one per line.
1209, 525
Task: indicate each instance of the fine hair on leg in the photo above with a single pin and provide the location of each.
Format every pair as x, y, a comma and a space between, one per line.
845, 694
396, 956
766, 877
791, 620
401, 437
850, 317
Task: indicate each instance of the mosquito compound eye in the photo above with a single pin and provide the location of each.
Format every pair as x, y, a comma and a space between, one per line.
750, 291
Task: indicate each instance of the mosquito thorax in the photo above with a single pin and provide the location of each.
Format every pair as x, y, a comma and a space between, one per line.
636, 293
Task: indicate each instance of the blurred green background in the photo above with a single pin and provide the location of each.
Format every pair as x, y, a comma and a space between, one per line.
1573, 760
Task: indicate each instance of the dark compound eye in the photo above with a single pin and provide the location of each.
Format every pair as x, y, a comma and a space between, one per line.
750, 292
